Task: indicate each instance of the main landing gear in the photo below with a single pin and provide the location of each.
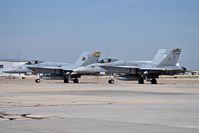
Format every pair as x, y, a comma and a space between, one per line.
141, 80
75, 80
66, 80
153, 81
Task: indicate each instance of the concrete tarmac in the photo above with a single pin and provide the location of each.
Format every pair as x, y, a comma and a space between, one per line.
94, 106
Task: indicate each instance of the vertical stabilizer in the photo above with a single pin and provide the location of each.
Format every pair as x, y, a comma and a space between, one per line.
160, 55
171, 58
88, 58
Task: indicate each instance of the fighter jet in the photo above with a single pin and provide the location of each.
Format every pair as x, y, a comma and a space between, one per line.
63, 71
163, 63
22, 69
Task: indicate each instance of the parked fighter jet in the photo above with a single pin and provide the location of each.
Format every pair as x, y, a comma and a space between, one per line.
22, 69
164, 63
63, 71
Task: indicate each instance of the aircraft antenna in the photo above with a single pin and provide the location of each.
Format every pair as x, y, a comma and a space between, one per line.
18, 55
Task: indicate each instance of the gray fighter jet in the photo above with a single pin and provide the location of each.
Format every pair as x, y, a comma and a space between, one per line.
164, 63
22, 69
63, 71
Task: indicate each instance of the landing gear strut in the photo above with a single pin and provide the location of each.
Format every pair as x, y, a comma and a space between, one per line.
153, 81
141, 81
66, 80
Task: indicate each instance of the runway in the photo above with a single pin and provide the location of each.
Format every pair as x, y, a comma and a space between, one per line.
93, 105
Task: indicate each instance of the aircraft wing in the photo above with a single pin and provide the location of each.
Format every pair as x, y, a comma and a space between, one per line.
168, 68
136, 69
121, 69
49, 69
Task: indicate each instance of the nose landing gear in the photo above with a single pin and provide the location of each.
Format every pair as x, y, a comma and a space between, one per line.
37, 80
111, 80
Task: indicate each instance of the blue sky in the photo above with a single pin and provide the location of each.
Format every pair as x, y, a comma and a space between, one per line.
59, 30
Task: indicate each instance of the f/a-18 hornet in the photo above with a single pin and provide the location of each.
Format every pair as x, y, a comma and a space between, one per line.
63, 71
163, 63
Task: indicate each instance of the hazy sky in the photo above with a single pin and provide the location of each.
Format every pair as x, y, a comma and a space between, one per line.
59, 30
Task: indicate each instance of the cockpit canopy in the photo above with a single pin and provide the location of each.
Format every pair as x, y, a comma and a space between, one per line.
33, 62
107, 60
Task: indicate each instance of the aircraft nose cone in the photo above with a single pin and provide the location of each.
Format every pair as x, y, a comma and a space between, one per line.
9, 70
5, 71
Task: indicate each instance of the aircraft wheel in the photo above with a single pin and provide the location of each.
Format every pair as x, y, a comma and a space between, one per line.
111, 81
37, 80
76, 80
153, 81
141, 81
66, 80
